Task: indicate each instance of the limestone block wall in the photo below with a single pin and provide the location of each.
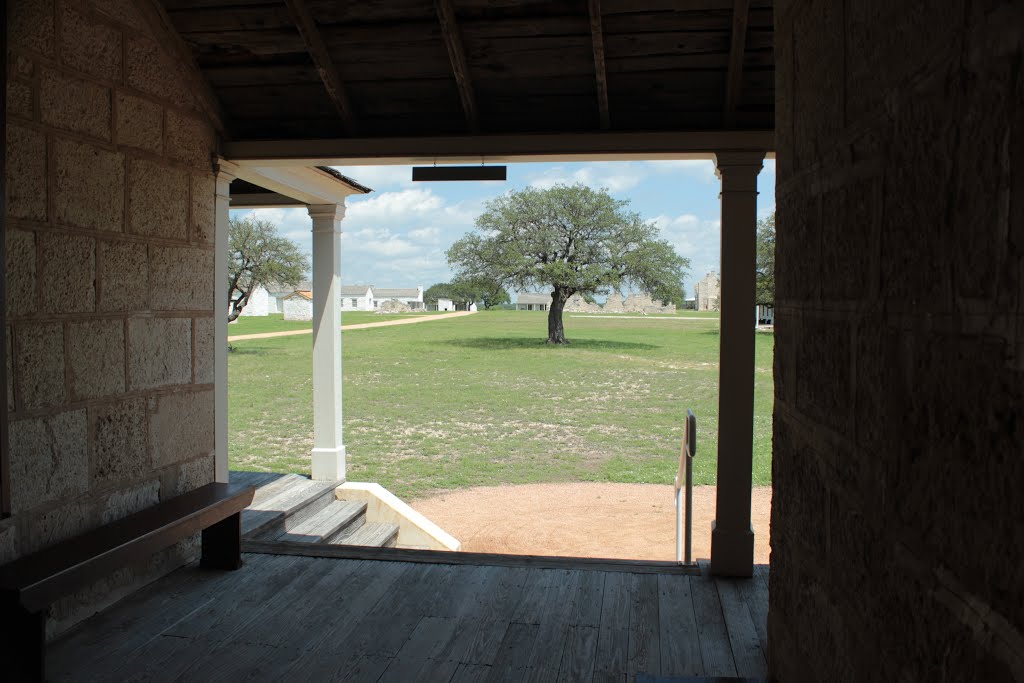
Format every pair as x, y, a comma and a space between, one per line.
897, 542
109, 274
298, 308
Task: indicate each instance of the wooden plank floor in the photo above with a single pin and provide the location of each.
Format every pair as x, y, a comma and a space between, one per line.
289, 617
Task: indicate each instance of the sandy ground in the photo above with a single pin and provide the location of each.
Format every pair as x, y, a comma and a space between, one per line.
629, 521
357, 326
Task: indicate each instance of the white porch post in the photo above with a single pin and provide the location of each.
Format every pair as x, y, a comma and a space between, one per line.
732, 536
220, 324
328, 448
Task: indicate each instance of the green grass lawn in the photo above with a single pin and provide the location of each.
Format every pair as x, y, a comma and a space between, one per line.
482, 400
276, 323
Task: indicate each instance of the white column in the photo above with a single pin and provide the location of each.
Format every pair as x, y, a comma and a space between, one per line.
732, 536
328, 448
220, 324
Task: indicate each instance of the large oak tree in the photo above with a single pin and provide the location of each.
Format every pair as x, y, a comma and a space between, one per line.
765, 275
258, 256
572, 239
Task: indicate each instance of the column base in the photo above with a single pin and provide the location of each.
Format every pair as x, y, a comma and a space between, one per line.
732, 552
329, 464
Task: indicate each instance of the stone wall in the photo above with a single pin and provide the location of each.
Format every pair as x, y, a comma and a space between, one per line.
897, 535
298, 308
707, 293
109, 275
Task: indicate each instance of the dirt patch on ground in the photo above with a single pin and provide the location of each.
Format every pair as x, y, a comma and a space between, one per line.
629, 521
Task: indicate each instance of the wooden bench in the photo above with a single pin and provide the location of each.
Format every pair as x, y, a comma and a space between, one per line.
29, 585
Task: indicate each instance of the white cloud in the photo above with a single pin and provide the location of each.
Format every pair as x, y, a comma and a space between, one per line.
696, 239
701, 170
379, 178
393, 206
618, 177
425, 234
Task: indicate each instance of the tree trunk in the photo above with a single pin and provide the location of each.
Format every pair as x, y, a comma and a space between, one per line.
556, 333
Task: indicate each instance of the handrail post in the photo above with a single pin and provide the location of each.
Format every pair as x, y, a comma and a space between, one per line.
685, 473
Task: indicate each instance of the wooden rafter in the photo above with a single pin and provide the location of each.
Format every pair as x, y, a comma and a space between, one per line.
734, 77
457, 54
597, 38
317, 49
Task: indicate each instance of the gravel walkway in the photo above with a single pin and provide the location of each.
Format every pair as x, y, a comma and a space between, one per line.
629, 521
357, 326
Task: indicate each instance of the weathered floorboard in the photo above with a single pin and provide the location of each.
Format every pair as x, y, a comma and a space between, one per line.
291, 617
680, 644
715, 649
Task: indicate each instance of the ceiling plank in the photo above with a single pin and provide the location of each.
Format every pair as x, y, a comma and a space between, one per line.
457, 54
734, 77
317, 49
597, 38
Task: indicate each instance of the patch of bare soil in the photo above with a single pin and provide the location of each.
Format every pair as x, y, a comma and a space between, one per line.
627, 521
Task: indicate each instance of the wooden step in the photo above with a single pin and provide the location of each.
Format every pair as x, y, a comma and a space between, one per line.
374, 534
297, 502
337, 517
275, 486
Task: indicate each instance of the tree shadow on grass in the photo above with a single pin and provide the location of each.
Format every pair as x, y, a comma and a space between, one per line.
534, 343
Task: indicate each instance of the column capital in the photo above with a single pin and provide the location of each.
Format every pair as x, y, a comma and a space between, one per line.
739, 159
225, 173
326, 212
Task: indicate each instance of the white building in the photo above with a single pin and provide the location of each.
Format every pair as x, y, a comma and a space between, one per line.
370, 298
259, 302
357, 297
298, 305
444, 305
270, 299
533, 301
410, 296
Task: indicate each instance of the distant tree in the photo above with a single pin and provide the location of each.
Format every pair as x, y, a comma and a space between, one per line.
480, 290
765, 275
572, 239
258, 256
441, 290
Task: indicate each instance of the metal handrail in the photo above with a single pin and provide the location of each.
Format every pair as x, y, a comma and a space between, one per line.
687, 450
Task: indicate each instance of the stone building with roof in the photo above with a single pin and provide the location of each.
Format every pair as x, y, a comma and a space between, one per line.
533, 301
707, 292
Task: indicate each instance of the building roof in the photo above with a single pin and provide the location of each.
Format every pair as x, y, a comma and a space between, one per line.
278, 288
345, 179
384, 292
303, 293
534, 298
387, 69
355, 290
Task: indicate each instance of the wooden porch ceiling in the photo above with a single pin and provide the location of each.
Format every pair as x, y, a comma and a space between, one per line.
301, 69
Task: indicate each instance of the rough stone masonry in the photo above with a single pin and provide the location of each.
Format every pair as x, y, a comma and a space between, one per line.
110, 227
897, 534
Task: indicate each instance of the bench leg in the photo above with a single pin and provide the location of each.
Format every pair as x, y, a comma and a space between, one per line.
22, 643
222, 544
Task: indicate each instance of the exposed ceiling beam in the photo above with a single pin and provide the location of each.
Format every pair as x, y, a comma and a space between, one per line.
322, 61
457, 54
734, 78
498, 148
597, 39
169, 38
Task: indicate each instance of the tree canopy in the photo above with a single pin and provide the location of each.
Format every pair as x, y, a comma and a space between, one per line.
571, 239
258, 256
765, 277
467, 291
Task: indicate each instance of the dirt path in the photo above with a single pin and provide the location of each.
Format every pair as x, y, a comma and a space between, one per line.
358, 326
629, 521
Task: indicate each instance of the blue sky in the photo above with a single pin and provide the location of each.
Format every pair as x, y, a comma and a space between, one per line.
397, 235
